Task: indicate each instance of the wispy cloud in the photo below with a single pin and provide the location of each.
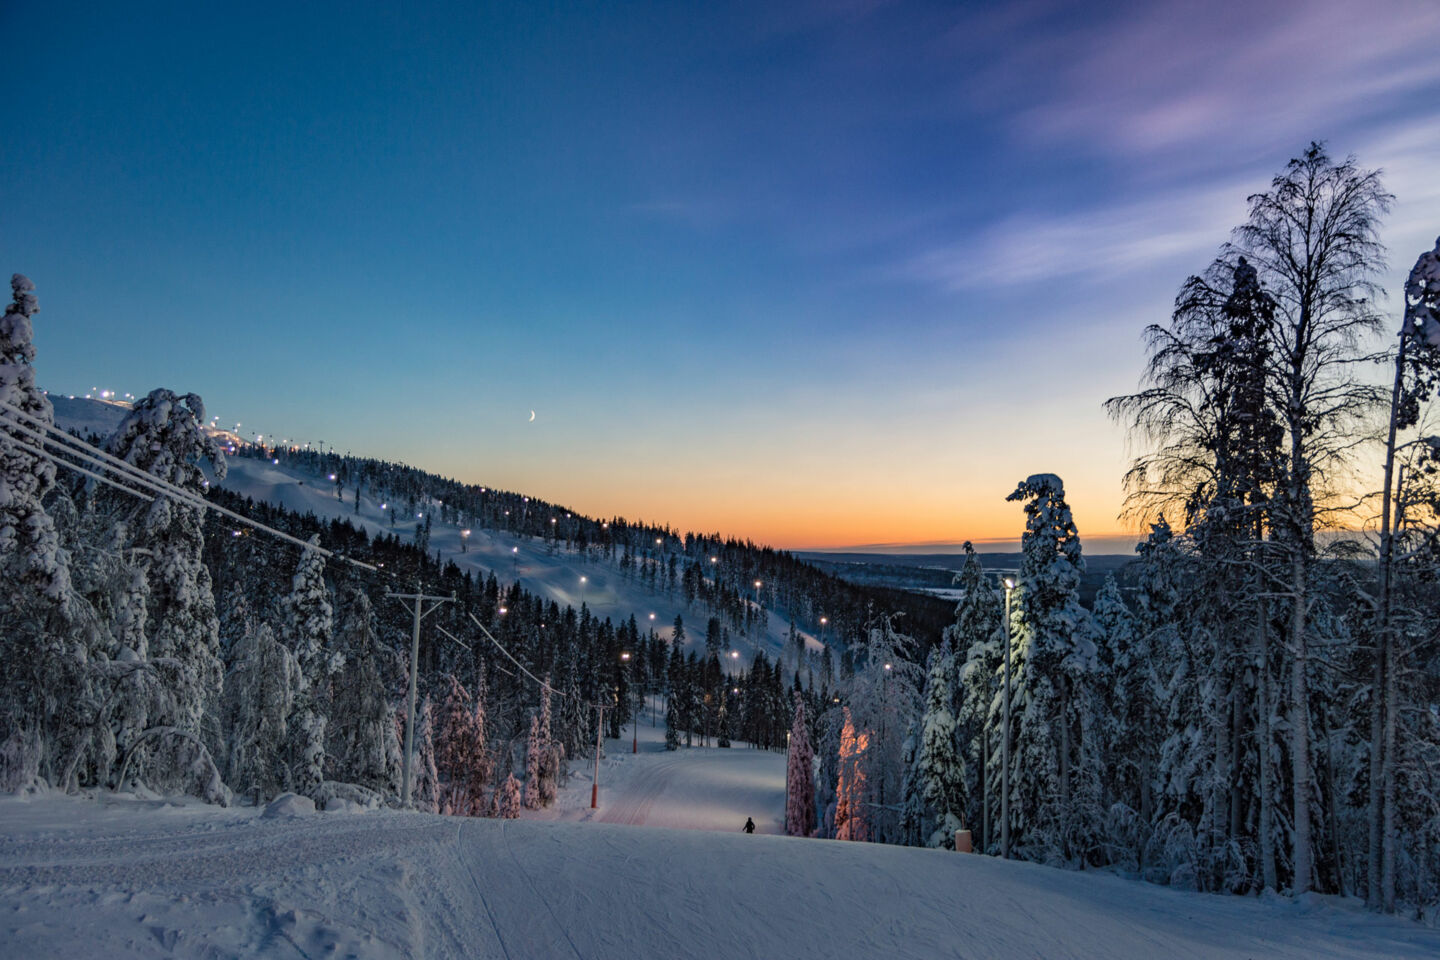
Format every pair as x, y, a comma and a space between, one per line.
1225, 76
1189, 108
1100, 244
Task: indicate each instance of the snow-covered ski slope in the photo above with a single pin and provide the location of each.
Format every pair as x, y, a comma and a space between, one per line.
552, 574
125, 878
700, 788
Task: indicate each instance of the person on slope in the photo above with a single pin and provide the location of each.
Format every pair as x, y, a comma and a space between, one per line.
749, 825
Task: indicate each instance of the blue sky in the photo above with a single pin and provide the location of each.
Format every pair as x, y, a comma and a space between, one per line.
820, 274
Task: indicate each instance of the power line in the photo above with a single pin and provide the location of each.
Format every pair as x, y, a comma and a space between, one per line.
36, 451
107, 461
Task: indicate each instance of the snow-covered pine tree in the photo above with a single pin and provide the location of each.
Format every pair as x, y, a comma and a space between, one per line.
977, 637
851, 821
31, 556
552, 765
1115, 642
800, 778
262, 687
676, 697
307, 625
508, 805
363, 745
535, 750
461, 753
30, 550
1114, 632
425, 791
884, 702
163, 435
1055, 765
939, 767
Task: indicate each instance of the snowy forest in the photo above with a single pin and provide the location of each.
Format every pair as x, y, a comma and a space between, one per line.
1251, 706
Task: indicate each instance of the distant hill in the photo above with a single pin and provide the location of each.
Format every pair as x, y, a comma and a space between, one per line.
615, 568
934, 573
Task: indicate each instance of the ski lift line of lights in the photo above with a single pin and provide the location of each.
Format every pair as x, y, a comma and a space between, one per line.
59, 439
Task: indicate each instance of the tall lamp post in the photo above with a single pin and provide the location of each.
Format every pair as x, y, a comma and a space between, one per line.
634, 720
759, 610
1005, 738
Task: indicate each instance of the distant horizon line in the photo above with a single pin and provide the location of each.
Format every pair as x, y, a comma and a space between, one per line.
1120, 543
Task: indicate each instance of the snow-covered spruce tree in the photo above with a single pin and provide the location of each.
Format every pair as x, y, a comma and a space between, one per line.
1215, 456
675, 698
535, 750
461, 753
1115, 640
977, 637
1055, 764
307, 626
1216, 459
800, 778
261, 687
851, 822
163, 435
830, 727
939, 767
425, 788
507, 807
364, 748
884, 701
33, 564
914, 811
30, 550
552, 765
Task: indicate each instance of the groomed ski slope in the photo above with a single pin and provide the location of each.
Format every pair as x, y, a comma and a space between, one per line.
122, 877
553, 575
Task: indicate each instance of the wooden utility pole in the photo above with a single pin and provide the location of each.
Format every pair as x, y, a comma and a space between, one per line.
419, 599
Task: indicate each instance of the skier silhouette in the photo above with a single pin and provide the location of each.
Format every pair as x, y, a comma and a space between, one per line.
749, 825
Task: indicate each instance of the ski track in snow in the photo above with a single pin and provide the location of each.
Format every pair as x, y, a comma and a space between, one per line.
121, 878
641, 792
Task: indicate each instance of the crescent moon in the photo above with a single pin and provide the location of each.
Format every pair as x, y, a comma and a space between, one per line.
532, 416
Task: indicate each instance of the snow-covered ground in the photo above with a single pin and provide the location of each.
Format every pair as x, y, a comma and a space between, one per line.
122, 877
555, 575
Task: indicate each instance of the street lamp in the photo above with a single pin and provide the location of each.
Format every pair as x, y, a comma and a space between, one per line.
582, 600
1005, 739
464, 540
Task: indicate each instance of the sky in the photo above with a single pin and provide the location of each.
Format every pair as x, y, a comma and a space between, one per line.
818, 274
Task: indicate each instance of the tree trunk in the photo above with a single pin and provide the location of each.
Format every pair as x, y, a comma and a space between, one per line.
1389, 826
1237, 721
1300, 723
1332, 816
1267, 815
1377, 773
1381, 765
